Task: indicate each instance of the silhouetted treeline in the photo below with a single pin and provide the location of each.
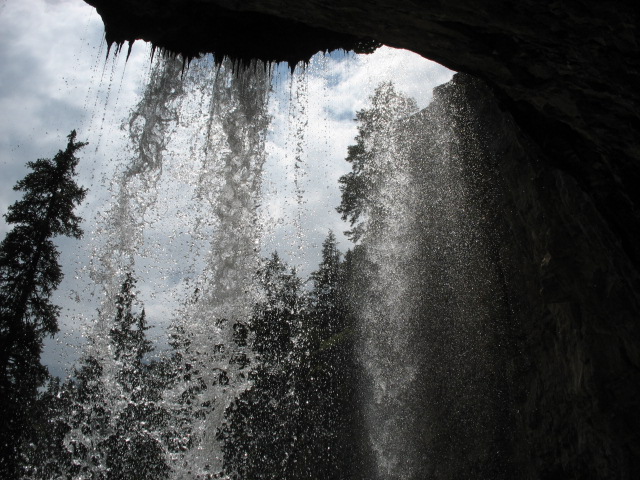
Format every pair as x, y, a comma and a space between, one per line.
299, 419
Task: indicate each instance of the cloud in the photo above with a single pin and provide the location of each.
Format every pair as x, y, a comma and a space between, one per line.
54, 79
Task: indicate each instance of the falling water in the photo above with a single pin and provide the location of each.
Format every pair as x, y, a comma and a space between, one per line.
227, 189
225, 293
123, 233
135, 188
424, 327
387, 312
430, 316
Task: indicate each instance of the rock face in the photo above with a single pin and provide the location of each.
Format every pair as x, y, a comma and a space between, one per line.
555, 129
569, 343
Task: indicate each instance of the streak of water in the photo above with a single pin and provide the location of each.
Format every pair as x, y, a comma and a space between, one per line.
429, 317
122, 231
230, 182
227, 189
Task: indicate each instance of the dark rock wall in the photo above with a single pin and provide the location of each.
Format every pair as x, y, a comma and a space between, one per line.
571, 342
195, 27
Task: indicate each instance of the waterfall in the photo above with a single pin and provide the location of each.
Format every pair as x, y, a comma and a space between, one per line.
230, 183
122, 231
431, 315
229, 152
135, 187
387, 311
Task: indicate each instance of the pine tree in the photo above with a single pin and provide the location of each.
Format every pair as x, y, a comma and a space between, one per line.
371, 157
118, 423
128, 338
379, 177
326, 297
47, 456
188, 383
134, 448
298, 420
29, 273
331, 379
263, 429
88, 420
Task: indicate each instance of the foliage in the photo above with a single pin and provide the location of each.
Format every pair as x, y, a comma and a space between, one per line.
46, 457
29, 273
330, 381
297, 421
260, 429
372, 156
116, 421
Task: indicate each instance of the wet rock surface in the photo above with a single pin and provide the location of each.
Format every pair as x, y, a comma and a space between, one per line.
570, 342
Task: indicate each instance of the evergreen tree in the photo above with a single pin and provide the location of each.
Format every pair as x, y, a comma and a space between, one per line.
29, 273
129, 340
379, 177
118, 423
190, 382
88, 420
263, 429
134, 448
327, 297
298, 420
182, 383
330, 381
47, 457
371, 158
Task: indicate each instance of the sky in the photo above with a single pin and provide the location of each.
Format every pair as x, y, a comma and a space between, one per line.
55, 77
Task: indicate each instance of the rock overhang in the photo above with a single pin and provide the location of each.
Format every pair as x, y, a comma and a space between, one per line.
193, 28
